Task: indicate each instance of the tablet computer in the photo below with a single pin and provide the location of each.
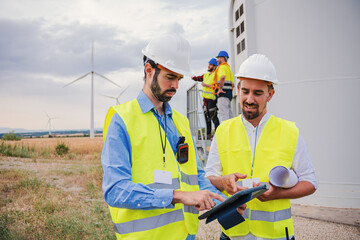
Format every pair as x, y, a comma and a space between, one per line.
236, 200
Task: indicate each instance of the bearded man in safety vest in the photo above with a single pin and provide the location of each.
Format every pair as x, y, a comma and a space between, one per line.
246, 148
223, 85
209, 98
152, 174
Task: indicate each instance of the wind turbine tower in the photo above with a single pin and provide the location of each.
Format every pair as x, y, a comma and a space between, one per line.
92, 72
49, 123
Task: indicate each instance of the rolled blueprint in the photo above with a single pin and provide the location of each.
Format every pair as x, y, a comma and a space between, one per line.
284, 177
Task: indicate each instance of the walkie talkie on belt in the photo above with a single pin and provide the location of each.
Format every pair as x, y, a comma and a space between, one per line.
182, 150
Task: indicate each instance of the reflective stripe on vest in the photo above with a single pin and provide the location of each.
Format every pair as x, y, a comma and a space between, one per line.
226, 82
190, 209
276, 146
208, 92
149, 223
159, 222
175, 185
246, 213
227, 85
189, 179
271, 216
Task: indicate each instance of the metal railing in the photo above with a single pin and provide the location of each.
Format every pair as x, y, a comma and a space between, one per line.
196, 118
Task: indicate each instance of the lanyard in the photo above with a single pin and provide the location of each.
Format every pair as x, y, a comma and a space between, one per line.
163, 146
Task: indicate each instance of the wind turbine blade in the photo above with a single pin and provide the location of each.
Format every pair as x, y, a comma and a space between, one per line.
108, 96
107, 79
77, 79
123, 91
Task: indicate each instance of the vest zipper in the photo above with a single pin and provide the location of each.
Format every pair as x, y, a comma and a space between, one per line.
253, 161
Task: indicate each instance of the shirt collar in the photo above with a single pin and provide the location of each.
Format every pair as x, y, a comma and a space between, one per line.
261, 123
146, 105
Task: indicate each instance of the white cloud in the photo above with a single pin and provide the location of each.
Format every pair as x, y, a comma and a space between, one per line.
45, 44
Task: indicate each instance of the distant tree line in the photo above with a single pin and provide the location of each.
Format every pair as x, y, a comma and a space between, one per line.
63, 133
11, 136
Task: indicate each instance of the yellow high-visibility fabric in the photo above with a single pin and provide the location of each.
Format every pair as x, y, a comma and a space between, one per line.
208, 92
223, 70
276, 146
146, 157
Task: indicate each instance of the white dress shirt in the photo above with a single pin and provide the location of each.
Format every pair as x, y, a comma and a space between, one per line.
302, 164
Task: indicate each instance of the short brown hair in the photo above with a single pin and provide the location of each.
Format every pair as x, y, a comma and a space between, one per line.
269, 84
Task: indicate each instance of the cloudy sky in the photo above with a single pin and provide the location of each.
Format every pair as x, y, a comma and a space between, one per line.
45, 44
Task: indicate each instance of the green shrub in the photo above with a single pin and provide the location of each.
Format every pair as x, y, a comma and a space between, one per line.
11, 136
2, 148
16, 150
61, 149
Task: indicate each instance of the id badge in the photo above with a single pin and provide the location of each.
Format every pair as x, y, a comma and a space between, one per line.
249, 182
162, 177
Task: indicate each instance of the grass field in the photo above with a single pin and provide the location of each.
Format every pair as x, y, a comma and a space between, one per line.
48, 196
79, 147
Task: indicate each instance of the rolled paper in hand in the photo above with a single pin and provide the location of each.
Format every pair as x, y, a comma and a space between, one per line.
284, 177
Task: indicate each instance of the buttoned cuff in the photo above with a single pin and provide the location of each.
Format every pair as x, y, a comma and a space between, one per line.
163, 198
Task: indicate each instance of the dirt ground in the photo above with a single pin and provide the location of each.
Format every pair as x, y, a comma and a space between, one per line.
306, 226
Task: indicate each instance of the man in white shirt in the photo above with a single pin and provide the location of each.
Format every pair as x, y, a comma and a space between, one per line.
249, 146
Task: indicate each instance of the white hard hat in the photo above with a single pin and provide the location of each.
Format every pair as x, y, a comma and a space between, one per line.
171, 51
258, 66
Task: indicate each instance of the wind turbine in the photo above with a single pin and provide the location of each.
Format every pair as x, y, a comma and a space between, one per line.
49, 122
92, 89
117, 98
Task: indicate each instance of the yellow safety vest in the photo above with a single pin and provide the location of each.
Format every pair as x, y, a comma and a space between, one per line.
276, 146
208, 92
147, 156
223, 70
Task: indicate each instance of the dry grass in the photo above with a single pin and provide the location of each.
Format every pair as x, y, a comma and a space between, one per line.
78, 145
37, 205
54, 198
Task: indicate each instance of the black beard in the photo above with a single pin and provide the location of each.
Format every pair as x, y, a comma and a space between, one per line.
252, 115
156, 90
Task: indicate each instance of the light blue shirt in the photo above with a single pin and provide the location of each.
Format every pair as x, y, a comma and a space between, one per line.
119, 190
